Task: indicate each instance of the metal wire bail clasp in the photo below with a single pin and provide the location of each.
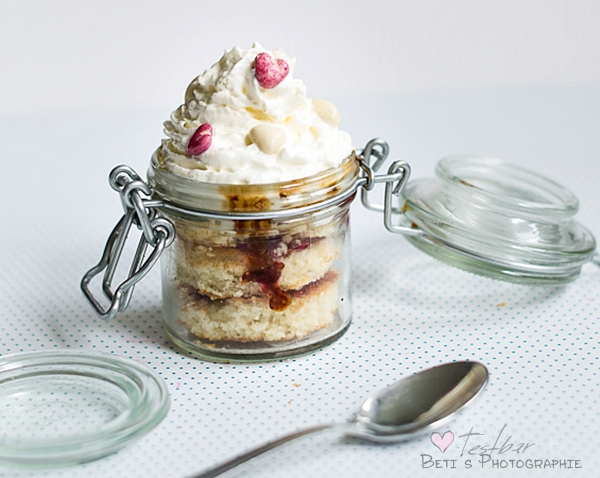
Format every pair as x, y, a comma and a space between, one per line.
158, 232
395, 179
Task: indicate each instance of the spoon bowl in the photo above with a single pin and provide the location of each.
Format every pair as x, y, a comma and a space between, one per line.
411, 406
419, 403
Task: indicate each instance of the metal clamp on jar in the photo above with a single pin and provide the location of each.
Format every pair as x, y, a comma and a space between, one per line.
255, 272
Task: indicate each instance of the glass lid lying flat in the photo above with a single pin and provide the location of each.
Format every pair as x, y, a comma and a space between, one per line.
65, 407
498, 220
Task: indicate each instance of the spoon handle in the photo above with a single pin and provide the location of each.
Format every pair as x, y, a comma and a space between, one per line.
227, 465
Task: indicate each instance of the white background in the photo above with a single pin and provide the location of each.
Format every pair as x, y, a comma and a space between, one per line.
67, 54
86, 85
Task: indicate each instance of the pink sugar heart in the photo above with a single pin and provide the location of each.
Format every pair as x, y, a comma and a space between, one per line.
200, 140
442, 441
269, 73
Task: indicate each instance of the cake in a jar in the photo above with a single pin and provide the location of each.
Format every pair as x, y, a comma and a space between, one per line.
246, 121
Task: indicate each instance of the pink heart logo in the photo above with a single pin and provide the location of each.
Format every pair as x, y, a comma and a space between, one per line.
442, 441
269, 73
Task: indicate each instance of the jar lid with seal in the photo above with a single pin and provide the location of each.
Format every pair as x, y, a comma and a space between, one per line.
492, 218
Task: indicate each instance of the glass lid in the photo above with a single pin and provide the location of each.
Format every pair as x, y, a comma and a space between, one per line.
64, 407
498, 220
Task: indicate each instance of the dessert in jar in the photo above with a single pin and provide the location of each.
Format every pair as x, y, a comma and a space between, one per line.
259, 179
253, 185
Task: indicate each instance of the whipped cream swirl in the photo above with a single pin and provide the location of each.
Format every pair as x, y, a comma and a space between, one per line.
229, 98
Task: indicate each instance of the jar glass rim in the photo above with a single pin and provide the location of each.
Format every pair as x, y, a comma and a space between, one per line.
130, 399
193, 194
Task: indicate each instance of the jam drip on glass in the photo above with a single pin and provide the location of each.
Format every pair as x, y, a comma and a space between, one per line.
266, 271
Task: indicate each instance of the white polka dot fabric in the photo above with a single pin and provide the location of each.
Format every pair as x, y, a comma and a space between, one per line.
539, 416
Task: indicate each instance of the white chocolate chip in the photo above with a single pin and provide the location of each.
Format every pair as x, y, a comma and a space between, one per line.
269, 139
327, 111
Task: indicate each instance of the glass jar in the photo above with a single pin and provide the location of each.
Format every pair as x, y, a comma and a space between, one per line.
256, 271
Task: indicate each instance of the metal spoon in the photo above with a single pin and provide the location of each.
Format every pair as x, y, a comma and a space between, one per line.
412, 405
